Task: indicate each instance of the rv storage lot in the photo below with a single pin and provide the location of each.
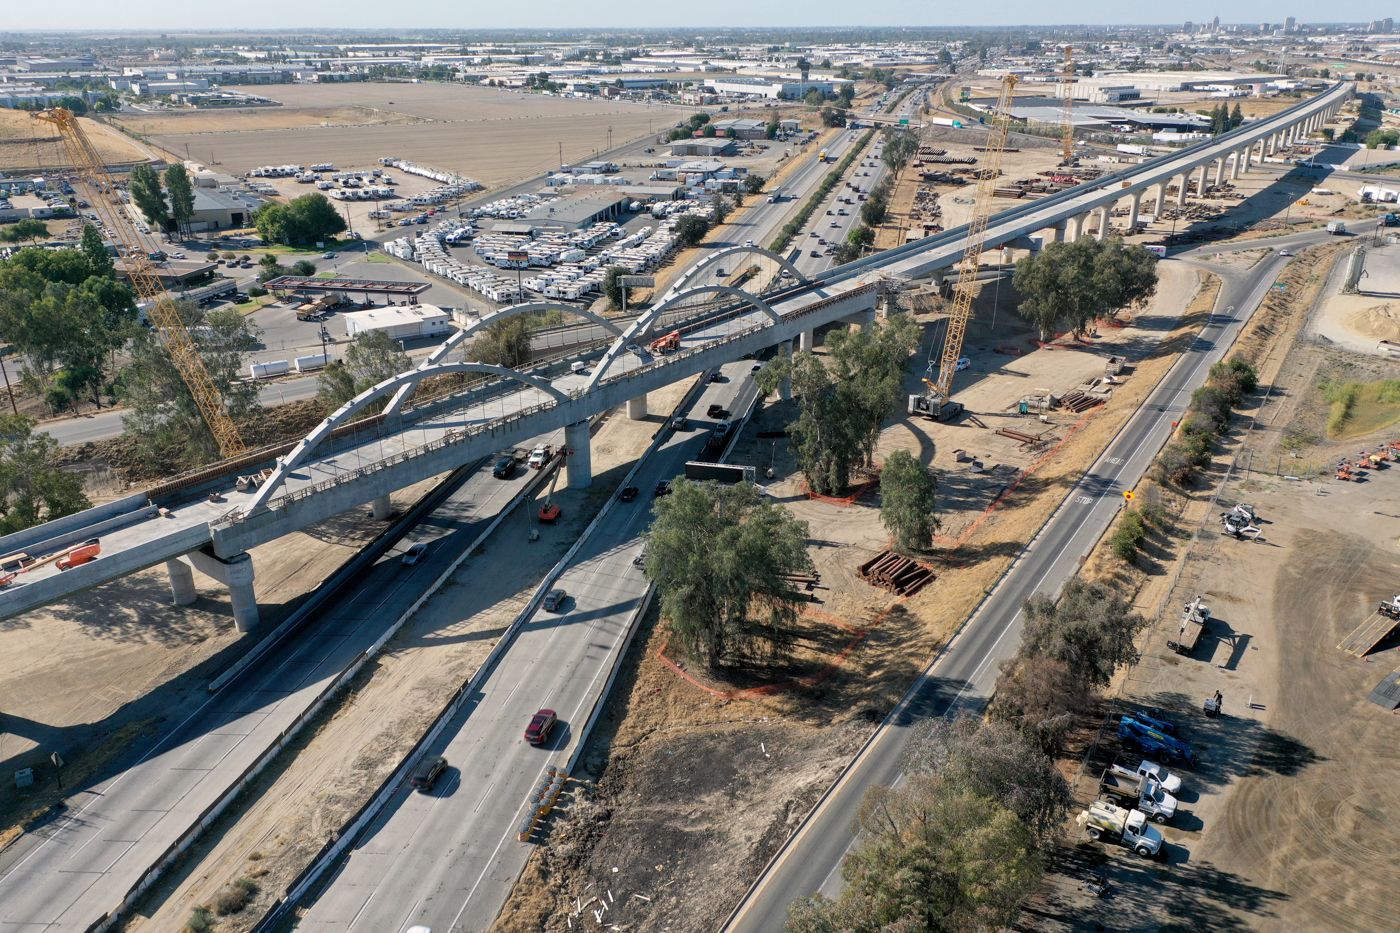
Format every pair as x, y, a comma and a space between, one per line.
491, 135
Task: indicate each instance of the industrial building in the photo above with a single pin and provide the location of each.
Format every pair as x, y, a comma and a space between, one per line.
400, 322
743, 129
573, 213
770, 88
703, 148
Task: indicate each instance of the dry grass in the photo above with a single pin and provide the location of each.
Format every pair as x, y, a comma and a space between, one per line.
25, 143
267, 118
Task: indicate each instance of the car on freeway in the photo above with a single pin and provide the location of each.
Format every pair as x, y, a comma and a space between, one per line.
816, 255
963, 363
428, 771
328, 256
554, 600
1284, 252
757, 366
415, 553
813, 233
720, 271
628, 493
836, 223
541, 725
680, 423
748, 242
716, 410
829, 213
663, 488
717, 376
540, 456
504, 468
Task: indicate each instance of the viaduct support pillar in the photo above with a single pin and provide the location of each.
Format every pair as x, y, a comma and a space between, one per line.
181, 582
1103, 222
1201, 183
636, 409
785, 387
1057, 232
1161, 199
1235, 164
861, 320
807, 341
1219, 171
580, 460
381, 508
236, 573
1133, 204
1182, 181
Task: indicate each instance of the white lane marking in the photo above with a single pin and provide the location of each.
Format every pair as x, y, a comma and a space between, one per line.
483, 797
356, 918
410, 915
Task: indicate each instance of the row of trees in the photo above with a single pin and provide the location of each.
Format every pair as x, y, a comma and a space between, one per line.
26, 228
173, 207
958, 846
844, 398
1206, 419
1078, 283
1223, 119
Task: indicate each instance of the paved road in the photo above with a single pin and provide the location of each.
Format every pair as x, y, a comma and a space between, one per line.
961, 678
448, 859
65, 874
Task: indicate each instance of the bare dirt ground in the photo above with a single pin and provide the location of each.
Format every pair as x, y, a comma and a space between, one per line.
362, 737
1359, 321
494, 136
86, 676
692, 782
26, 143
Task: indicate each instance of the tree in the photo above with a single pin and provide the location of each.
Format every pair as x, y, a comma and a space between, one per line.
181, 192
813, 97
304, 268
860, 235
708, 131
719, 209
26, 228
1041, 698
165, 423
32, 490
753, 183
772, 130
691, 229
612, 288
504, 343
147, 196
907, 501
992, 760
932, 859
945, 57
76, 105
271, 268
311, 217
870, 364
900, 147
833, 116
872, 212
98, 256
1083, 281
1090, 630
721, 557
1236, 117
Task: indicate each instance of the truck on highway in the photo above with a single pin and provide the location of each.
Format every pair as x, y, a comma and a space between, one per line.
1337, 228
1127, 828
775, 195
1132, 149
823, 157
1139, 791
1136, 736
944, 121
719, 434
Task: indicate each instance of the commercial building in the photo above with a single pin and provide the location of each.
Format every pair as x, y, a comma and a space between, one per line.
770, 88
743, 129
703, 148
572, 213
400, 322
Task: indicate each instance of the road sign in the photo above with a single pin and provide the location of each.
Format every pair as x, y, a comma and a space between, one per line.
637, 281
904, 122
1129, 495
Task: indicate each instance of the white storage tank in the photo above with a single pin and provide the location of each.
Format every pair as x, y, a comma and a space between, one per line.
304, 364
268, 370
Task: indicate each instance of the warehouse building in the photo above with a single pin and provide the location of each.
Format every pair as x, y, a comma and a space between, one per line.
743, 129
573, 213
770, 88
219, 210
400, 322
703, 148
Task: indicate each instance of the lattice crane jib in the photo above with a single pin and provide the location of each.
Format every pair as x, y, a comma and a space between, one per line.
1067, 108
976, 237
107, 203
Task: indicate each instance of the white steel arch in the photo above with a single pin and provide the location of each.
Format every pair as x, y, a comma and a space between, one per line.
402, 381
714, 258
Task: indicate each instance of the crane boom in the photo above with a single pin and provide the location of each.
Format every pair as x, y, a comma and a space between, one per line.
1067, 109
976, 237
107, 202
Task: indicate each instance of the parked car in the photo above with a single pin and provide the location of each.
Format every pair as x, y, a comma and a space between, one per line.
554, 599
415, 553
628, 494
428, 771
963, 363
541, 725
504, 468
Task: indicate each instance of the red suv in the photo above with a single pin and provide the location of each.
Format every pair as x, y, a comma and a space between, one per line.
537, 732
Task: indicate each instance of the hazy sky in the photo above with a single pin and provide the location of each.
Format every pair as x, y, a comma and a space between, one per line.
362, 14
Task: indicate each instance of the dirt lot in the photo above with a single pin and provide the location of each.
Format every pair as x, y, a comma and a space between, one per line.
691, 783
25, 143
362, 737
494, 136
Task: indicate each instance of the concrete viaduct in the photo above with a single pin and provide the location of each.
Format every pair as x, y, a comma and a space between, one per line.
328, 473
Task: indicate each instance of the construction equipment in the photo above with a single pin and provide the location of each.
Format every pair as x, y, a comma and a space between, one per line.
1194, 618
549, 512
140, 269
670, 342
1067, 109
1127, 828
1237, 526
1390, 608
938, 397
77, 556
929, 403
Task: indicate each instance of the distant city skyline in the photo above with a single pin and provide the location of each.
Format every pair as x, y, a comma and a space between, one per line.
263, 15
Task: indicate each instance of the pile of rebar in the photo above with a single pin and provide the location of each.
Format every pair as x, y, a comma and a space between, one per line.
895, 572
1078, 401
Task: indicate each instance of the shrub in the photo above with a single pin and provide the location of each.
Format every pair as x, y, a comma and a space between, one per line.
1197, 425
1154, 512
230, 900
1214, 404
211, 256
1127, 540
256, 291
199, 920
1174, 466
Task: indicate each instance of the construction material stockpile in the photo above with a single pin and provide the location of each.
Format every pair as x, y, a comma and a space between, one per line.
895, 572
1079, 401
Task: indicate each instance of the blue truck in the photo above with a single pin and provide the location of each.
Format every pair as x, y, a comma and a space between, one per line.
1138, 736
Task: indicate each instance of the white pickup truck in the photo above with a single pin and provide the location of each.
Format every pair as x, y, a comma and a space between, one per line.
1171, 783
1127, 828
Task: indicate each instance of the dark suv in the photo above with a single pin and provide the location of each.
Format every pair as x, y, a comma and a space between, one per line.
504, 468
428, 771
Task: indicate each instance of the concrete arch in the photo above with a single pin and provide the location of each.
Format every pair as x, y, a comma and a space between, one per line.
714, 258
406, 380
641, 327
472, 330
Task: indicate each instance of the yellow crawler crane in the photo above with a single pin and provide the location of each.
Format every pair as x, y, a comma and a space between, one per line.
107, 202
972, 250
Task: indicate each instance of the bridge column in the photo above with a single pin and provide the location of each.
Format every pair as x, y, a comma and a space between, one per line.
1201, 183
1103, 223
1133, 204
1273, 143
807, 341
785, 387
181, 582
1235, 165
861, 320
1182, 181
236, 573
381, 508
1219, 171
579, 465
1072, 227
637, 408
1161, 199
1057, 232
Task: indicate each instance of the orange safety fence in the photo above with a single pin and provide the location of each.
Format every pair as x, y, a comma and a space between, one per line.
860, 490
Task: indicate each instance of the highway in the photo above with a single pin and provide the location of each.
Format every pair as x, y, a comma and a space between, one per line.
64, 875
448, 859
960, 679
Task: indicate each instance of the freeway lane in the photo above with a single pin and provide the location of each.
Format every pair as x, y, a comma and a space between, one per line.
66, 874
962, 676
449, 858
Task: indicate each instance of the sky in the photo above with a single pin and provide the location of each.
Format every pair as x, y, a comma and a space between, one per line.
265, 15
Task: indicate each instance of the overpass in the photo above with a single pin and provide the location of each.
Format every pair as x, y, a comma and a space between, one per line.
344, 463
